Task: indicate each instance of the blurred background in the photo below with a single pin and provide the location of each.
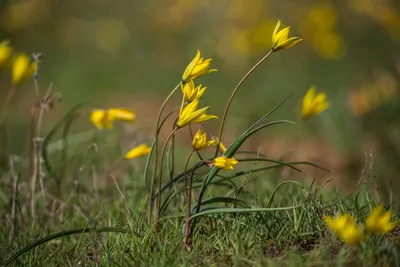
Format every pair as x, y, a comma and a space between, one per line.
132, 53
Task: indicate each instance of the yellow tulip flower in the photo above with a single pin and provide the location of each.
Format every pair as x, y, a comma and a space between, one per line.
5, 52
196, 68
379, 222
190, 114
22, 68
138, 151
200, 141
121, 114
280, 38
225, 163
313, 104
190, 92
345, 228
104, 118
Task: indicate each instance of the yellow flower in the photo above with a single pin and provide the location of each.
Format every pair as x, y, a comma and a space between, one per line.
345, 227
200, 141
379, 221
190, 114
196, 68
5, 52
138, 151
222, 148
22, 68
104, 118
225, 163
190, 92
313, 104
280, 38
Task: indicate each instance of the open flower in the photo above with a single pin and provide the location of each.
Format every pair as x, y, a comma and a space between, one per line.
225, 163
190, 114
196, 68
200, 141
379, 222
313, 104
104, 118
345, 228
22, 68
5, 52
280, 38
190, 92
139, 151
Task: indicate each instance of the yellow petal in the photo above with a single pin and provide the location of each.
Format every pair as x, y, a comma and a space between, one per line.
122, 114
99, 118
138, 151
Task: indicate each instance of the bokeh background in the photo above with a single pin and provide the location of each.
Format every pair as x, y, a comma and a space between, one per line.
132, 53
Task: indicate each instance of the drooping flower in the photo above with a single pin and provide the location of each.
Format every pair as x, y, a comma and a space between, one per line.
5, 52
313, 104
280, 38
200, 141
345, 228
190, 114
139, 151
225, 163
104, 118
196, 68
379, 222
22, 68
190, 92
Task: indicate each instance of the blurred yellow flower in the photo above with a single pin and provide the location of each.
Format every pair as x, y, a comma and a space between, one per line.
190, 92
345, 228
138, 151
196, 68
104, 118
190, 114
280, 38
225, 163
5, 52
379, 222
313, 104
200, 141
22, 68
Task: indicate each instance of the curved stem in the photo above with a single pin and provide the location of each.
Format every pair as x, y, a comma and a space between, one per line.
221, 129
149, 204
160, 178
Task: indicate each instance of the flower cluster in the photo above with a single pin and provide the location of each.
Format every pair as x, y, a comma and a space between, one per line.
345, 227
22, 67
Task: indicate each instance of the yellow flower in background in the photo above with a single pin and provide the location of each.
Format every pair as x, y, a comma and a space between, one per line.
225, 163
190, 92
196, 68
345, 228
200, 141
22, 68
280, 38
190, 114
104, 118
5, 52
379, 222
138, 151
313, 104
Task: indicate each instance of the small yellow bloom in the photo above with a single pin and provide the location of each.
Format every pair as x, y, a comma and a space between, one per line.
313, 104
280, 38
200, 141
22, 68
379, 222
222, 148
190, 92
104, 118
225, 163
138, 151
5, 52
345, 228
196, 68
190, 114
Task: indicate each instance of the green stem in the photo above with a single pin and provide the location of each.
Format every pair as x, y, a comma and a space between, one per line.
188, 200
149, 204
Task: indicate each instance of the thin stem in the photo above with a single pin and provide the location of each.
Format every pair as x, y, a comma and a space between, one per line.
221, 129
149, 204
188, 194
160, 179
